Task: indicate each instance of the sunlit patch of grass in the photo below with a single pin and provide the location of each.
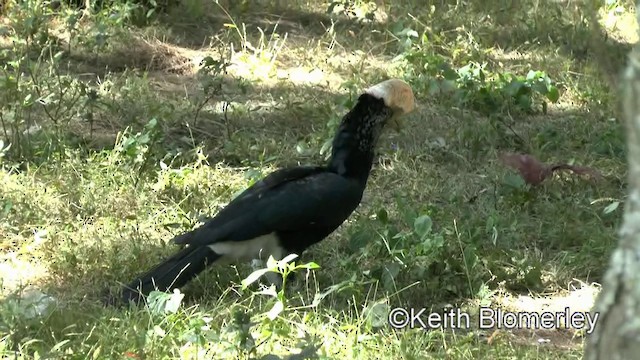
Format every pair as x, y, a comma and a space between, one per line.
620, 22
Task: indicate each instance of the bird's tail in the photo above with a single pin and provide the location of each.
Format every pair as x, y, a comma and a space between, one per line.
172, 273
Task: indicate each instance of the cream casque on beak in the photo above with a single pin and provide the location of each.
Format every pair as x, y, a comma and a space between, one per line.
397, 95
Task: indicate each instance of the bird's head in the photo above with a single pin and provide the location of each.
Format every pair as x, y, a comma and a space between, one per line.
398, 96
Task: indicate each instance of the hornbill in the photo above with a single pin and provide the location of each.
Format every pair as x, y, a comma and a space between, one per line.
290, 209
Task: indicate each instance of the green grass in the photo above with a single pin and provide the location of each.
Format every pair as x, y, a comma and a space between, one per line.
135, 145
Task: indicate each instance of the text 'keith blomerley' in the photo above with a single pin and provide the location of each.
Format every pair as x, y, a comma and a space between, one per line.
489, 318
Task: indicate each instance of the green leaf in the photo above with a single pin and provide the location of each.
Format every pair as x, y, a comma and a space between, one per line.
382, 216
513, 88
301, 148
553, 94
159, 331
524, 101
331, 289
28, 100
435, 242
514, 181
407, 32
326, 147
408, 214
58, 55
309, 265
175, 300
275, 310
448, 86
396, 240
389, 273
358, 240
378, 314
611, 207
465, 70
59, 346
162, 303
422, 225
470, 257
144, 139
540, 87
533, 277
253, 277
449, 73
289, 257
531, 75
152, 124
433, 88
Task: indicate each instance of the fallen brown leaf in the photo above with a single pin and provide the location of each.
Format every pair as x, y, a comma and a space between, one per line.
533, 171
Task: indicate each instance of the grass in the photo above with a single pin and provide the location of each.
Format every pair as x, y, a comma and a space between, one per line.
122, 140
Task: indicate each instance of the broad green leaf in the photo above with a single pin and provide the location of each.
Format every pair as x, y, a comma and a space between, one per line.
422, 225
290, 257
159, 331
389, 273
514, 181
433, 88
309, 265
253, 277
358, 240
533, 277
174, 302
518, 88
378, 314
553, 94
524, 101
382, 216
275, 310
611, 207
162, 303
447, 86
540, 87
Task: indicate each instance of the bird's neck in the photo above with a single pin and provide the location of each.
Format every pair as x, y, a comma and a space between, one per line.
354, 144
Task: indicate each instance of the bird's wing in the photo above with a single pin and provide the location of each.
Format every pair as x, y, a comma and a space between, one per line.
319, 200
276, 179
322, 200
242, 205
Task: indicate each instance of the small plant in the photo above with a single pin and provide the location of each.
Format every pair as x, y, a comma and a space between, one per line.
135, 151
249, 60
470, 86
413, 250
283, 268
39, 99
211, 77
361, 10
3, 150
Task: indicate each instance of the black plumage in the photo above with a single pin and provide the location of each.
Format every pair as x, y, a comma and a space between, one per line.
291, 209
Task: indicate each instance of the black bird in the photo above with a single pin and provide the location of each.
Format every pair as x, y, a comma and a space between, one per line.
290, 209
